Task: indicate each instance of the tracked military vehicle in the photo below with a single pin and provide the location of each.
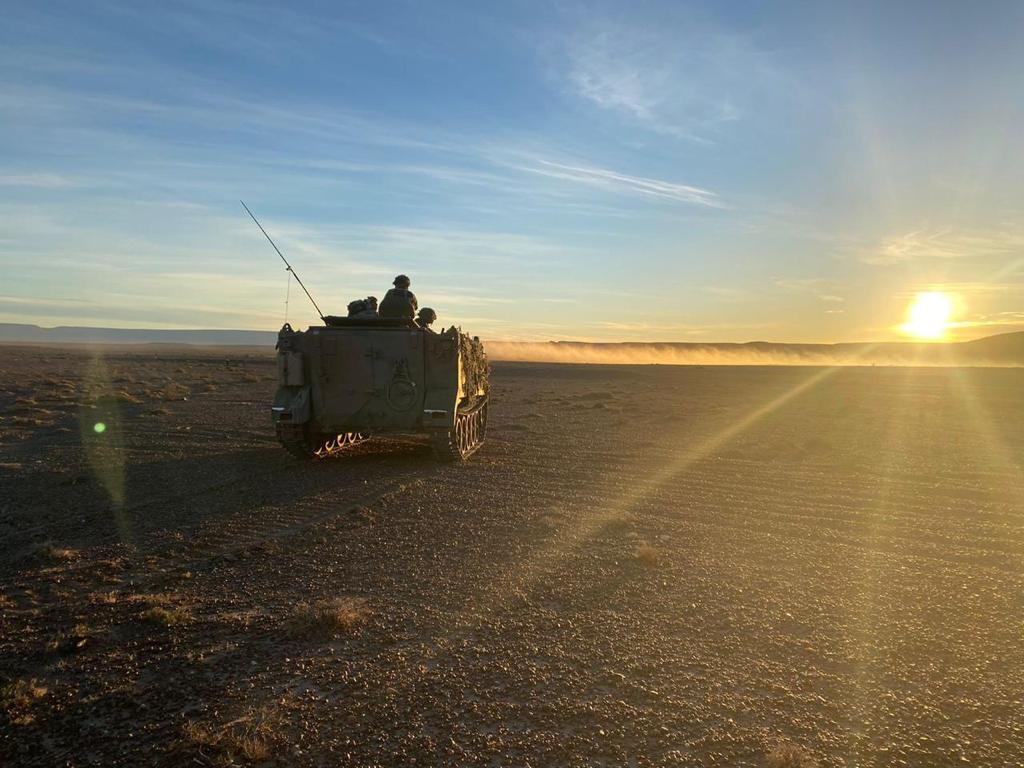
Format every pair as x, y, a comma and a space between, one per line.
353, 378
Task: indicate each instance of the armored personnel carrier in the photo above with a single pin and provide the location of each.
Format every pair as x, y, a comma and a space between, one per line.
355, 377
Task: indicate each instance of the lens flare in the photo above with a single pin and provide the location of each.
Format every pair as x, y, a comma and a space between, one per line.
928, 317
99, 427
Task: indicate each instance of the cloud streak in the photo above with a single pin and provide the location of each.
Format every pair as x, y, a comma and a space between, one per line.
822, 288
944, 243
36, 180
621, 182
682, 76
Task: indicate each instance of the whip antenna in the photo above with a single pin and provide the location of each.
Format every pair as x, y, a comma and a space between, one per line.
289, 266
287, 295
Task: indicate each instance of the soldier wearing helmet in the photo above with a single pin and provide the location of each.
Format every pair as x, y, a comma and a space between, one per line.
425, 317
399, 301
365, 308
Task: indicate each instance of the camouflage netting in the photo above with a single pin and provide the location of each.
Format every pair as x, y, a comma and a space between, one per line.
474, 363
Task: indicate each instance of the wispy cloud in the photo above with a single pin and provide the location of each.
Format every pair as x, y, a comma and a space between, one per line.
725, 293
37, 180
682, 76
621, 182
945, 243
968, 287
996, 320
823, 288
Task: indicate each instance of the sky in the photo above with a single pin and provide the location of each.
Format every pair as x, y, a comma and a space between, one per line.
541, 170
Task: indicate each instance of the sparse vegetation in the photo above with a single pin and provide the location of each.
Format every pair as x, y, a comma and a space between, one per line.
150, 599
47, 552
161, 610
168, 617
17, 699
326, 618
645, 554
786, 754
73, 640
21, 408
29, 421
252, 737
171, 392
358, 510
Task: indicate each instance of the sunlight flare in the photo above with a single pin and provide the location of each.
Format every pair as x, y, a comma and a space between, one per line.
929, 316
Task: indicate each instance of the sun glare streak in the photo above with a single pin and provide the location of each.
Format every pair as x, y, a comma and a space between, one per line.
1000, 454
579, 531
929, 316
867, 610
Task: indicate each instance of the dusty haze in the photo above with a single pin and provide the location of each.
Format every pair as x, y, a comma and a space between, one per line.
1002, 351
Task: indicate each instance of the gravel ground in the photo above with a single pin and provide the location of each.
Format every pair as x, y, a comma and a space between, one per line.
643, 566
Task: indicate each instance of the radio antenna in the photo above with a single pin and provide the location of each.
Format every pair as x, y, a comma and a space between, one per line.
287, 265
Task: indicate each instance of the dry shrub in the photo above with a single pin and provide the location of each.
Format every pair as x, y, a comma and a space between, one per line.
327, 618
23, 408
47, 552
165, 616
161, 610
786, 754
59, 383
151, 599
72, 640
171, 392
252, 737
28, 421
647, 555
17, 699
100, 397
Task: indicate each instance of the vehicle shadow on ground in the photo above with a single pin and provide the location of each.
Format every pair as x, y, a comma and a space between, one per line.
191, 488
130, 500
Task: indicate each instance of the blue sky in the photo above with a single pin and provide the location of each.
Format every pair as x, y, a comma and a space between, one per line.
608, 171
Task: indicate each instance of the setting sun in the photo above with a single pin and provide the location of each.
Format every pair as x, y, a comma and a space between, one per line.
928, 317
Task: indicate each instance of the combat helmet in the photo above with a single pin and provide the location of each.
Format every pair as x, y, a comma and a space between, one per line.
425, 317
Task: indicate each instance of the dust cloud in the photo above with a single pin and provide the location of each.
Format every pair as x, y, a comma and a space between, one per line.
753, 353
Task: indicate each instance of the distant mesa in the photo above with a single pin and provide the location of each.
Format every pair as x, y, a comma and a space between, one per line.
1006, 349
67, 334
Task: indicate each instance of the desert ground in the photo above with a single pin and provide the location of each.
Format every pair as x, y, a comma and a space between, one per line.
644, 565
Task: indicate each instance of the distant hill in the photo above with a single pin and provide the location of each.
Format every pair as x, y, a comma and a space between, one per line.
1002, 349
65, 334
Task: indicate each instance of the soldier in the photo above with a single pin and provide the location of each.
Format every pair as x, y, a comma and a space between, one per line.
363, 307
425, 317
355, 307
369, 308
399, 301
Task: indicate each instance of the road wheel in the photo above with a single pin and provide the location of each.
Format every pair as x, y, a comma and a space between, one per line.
299, 442
465, 436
